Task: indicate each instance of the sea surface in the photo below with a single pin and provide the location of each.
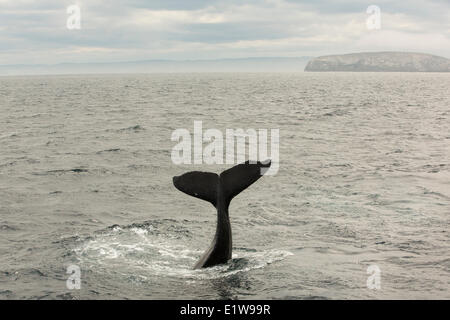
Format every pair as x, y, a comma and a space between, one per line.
364, 181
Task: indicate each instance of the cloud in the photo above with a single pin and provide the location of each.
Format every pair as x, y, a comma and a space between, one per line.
35, 31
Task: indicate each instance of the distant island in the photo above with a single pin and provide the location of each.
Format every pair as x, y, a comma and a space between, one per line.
380, 62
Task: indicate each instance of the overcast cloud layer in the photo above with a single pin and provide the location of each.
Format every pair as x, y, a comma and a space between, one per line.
34, 32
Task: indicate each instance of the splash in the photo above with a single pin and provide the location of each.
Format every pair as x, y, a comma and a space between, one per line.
148, 251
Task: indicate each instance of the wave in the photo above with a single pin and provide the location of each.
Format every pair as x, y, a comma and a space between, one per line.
61, 171
148, 250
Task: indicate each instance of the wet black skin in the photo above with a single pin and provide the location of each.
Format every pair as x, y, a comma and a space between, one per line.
220, 190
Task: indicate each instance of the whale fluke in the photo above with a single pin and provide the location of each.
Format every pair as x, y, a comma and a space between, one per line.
219, 191
202, 185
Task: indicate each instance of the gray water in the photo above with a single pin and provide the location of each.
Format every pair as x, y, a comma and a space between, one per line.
364, 179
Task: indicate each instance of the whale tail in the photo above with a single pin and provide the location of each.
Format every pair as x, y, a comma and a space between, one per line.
205, 185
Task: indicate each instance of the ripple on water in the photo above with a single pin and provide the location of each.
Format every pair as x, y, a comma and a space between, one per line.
149, 250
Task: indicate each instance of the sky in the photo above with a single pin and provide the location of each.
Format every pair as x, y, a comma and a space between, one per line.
35, 32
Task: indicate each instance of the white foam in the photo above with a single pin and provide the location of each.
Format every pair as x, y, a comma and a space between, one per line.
140, 253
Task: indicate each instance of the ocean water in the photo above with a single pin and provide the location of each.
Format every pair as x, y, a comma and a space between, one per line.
364, 179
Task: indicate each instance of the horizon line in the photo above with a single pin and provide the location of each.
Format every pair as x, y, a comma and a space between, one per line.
211, 60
